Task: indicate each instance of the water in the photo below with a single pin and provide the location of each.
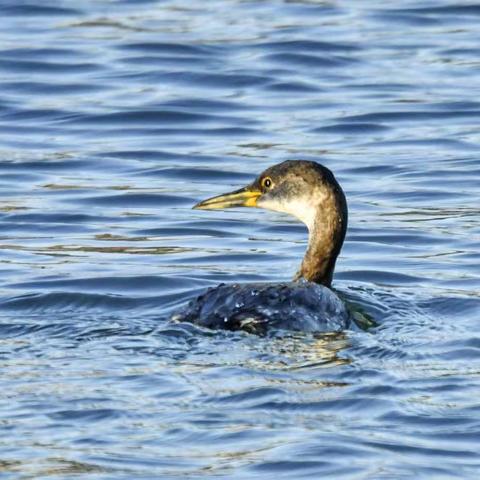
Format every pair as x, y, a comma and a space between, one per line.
116, 117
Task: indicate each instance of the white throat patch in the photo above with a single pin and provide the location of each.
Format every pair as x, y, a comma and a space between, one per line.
302, 208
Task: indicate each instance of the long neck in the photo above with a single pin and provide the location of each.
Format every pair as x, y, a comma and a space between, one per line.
326, 237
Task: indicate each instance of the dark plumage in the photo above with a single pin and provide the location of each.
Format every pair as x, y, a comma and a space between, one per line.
259, 307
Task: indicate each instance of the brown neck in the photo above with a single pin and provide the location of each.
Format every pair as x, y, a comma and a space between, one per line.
325, 239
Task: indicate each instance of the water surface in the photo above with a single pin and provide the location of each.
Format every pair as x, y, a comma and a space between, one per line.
116, 117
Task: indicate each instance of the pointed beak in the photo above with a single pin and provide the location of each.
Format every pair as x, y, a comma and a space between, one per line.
245, 197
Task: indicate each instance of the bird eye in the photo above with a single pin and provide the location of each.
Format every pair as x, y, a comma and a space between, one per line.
267, 182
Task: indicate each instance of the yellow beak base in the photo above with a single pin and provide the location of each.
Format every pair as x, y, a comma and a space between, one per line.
245, 197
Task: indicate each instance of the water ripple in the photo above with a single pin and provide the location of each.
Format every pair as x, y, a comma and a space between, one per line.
117, 117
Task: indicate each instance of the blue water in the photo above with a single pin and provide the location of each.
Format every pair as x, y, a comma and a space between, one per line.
116, 117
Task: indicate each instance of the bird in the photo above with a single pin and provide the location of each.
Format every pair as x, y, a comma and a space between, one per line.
310, 192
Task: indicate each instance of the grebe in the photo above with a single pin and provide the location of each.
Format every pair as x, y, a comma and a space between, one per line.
309, 192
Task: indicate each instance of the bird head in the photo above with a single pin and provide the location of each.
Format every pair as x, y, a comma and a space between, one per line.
295, 187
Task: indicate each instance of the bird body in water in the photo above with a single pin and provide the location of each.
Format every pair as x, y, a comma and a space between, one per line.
309, 192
